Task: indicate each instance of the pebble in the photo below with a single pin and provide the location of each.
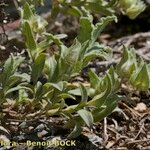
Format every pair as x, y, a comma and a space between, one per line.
140, 107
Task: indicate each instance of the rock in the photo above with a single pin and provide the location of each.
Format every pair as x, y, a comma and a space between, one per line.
140, 107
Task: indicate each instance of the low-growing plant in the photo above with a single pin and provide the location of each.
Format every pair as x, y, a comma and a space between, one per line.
131, 8
47, 83
135, 70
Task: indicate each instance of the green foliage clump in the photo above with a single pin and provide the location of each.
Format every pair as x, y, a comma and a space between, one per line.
136, 71
131, 8
47, 83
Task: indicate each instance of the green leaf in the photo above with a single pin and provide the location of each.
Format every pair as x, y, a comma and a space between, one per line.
50, 67
55, 9
42, 46
99, 7
132, 8
17, 60
62, 104
86, 116
127, 64
106, 84
107, 109
98, 100
38, 24
65, 96
38, 91
53, 112
19, 87
76, 92
84, 48
140, 78
67, 62
115, 81
86, 28
10, 67
71, 55
59, 86
27, 12
32, 2
100, 26
112, 3
37, 67
103, 90
7, 71
74, 11
93, 55
76, 132
94, 79
24, 76
54, 38
84, 94
16, 79
30, 41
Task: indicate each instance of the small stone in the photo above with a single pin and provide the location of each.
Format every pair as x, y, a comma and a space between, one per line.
31, 128
42, 134
2, 47
140, 107
40, 127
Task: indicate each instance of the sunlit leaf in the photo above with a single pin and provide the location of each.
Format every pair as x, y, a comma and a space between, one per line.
30, 40
140, 78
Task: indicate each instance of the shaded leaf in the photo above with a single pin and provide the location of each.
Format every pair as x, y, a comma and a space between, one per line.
76, 132
37, 67
86, 116
86, 28
84, 94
